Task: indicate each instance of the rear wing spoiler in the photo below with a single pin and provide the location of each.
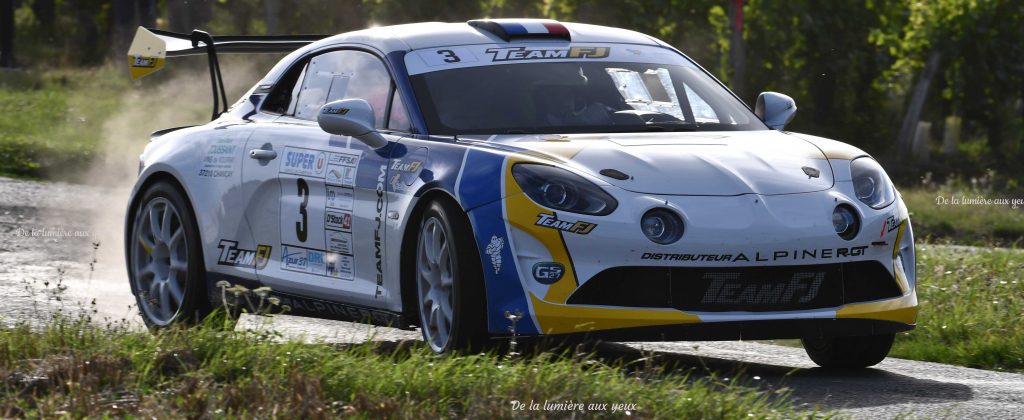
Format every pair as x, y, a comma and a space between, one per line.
151, 47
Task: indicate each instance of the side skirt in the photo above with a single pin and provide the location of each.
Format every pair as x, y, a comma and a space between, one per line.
312, 307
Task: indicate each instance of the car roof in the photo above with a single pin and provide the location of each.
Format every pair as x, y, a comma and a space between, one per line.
414, 36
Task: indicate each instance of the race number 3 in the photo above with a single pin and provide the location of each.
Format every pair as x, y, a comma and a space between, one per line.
302, 226
449, 56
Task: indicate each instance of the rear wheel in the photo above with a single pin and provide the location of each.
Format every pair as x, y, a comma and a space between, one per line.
165, 263
848, 352
449, 282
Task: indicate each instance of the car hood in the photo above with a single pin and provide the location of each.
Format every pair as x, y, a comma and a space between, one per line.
704, 163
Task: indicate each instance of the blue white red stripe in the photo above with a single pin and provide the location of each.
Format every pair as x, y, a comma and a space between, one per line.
535, 27
512, 28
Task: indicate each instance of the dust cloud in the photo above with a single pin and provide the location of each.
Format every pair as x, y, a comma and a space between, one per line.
180, 96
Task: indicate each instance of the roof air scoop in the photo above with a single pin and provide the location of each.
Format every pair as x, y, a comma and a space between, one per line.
508, 29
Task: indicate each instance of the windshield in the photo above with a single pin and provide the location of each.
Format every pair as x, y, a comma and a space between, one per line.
576, 96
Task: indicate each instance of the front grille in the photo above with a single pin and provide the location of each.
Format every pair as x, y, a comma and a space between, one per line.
770, 288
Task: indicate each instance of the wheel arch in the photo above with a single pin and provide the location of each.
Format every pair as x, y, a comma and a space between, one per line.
407, 260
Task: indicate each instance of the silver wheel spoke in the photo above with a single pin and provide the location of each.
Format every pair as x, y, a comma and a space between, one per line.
165, 225
147, 244
159, 259
154, 290
154, 223
165, 301
175, 289
435, 281
175, 238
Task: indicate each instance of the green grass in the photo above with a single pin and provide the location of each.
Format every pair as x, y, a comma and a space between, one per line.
971, 308
75, 369
51, 122
981, 225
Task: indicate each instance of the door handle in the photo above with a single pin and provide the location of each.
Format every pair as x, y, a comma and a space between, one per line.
261, 154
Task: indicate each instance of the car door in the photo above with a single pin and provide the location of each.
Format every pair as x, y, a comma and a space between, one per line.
318, 198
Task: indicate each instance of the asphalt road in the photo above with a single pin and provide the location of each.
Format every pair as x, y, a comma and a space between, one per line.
48, 237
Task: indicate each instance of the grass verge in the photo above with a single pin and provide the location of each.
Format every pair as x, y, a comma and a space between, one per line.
74, 368
51, 122
972, 303
966, 224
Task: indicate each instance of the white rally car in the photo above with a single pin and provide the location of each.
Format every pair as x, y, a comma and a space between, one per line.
449, 176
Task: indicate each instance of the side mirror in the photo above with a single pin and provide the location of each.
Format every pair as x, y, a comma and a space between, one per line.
775, 109
351, 117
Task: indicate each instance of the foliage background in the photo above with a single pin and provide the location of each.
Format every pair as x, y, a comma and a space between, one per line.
852, 66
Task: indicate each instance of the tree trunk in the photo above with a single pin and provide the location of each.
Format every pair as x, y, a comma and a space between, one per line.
6, 33
272, 8
45, 12
737, 53
147, 13
178, 17
122, 18
920, 94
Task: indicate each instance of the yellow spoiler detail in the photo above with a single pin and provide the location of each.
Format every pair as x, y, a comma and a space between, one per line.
147, 53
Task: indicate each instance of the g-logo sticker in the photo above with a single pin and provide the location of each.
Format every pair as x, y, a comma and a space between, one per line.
548, 272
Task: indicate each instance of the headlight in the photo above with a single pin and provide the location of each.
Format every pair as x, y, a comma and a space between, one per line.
844, 221
870, 183
662, 226
560, 189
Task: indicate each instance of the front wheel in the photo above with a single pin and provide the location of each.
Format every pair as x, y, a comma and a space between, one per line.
165, 255
449, 282
848, 352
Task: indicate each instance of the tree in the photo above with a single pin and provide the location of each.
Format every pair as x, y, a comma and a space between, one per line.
6, 33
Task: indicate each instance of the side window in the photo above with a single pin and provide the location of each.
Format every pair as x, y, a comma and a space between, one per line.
399, 120
341, 75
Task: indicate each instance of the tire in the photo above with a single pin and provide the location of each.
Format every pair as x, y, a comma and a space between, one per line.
449, 282
165, 259
848, 352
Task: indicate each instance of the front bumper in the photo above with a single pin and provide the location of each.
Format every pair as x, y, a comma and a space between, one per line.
869, 278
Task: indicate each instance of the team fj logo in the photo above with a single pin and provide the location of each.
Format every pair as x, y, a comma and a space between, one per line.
889, 225
411, 166
550, 221
523, 53
140, 61
231, 254
494, 250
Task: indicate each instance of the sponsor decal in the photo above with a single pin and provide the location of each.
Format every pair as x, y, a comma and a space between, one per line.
396, 184
344, 159
550, 221
340, 198
524, 53
411, 166
548, 272
802, 287
294, 258
303, 260
339, 242
140, 61
340, 266
377, 234
494, 250
338, 220
219, 161
811, 172
889, 225
780, 255
336, 111
303, 162
231, 254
